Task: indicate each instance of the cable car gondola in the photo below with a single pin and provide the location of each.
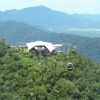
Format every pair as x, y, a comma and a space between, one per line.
69, 66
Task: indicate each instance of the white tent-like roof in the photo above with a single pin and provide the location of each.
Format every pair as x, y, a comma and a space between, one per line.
40, 43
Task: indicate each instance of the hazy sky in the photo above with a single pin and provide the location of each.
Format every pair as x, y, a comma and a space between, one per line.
67, 6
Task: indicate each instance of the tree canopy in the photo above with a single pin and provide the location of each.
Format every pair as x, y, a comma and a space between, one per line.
23, 78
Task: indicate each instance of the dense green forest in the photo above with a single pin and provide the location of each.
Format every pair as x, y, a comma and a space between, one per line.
23, 78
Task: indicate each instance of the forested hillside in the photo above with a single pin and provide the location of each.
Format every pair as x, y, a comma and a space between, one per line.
14, 32
23, 78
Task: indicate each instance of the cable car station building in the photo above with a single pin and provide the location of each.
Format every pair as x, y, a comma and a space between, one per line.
45, 48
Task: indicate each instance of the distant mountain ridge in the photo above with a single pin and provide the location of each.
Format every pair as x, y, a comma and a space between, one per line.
47, 18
